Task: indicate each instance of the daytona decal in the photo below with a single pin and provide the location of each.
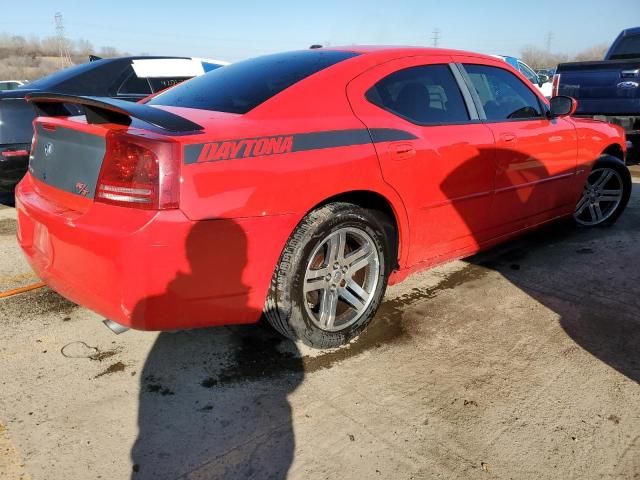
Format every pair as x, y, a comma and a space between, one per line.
277, 144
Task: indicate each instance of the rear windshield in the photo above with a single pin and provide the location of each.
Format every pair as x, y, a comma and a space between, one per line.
16, 116
629, 47
242, 86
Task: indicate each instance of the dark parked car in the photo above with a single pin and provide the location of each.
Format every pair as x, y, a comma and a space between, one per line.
609, 89
125, 78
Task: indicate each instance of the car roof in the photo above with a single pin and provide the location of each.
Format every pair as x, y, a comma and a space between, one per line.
95, 77
394, 51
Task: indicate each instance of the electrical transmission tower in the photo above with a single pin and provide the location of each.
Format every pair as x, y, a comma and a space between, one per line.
435, 39
548, 40
63, 47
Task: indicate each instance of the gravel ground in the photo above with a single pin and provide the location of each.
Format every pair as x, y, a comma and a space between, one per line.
521, 362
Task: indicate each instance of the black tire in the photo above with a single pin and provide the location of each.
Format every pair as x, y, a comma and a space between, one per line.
613, 163
284, 308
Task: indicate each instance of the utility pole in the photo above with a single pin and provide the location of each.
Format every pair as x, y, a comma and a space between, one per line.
435, 39
548, 40
63, 47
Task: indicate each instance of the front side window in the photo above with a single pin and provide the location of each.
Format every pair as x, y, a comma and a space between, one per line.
426, 95
503, 95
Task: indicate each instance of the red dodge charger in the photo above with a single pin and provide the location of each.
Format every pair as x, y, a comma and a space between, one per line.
298, 185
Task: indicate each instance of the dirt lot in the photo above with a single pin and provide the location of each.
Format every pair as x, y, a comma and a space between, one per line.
522, 362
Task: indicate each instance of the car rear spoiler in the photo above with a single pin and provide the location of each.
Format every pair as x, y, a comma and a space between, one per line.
110, 110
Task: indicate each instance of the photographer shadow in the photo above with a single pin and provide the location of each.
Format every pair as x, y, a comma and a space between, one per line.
213, 402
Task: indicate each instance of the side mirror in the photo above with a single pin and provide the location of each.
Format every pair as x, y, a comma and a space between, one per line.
543, 79
562, 106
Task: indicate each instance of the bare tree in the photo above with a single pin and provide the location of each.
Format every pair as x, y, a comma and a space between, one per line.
597, 52
33, 58
538, 58
107, 52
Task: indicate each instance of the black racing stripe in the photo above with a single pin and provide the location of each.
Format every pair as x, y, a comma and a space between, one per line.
311, 141
330, 139
390, 135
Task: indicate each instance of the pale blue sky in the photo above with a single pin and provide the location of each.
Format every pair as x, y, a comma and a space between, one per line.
239, 29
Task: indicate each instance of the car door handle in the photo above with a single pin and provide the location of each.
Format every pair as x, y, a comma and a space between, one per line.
508, 138
402, 151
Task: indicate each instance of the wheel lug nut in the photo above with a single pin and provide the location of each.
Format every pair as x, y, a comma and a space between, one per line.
336, 266
344, 269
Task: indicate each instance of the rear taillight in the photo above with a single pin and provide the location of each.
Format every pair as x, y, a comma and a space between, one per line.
15, 153
555, 85
139, 171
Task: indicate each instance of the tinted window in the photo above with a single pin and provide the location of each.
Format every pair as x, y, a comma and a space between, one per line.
135, 85
629, 47
63, 75
426, 95
502, 94
242, 86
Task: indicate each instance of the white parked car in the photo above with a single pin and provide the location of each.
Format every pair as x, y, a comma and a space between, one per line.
11, 84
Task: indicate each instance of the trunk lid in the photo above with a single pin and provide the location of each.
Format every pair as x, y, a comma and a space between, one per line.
67, 157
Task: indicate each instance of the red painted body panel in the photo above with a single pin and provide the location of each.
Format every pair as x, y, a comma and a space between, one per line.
454, 190
152, 270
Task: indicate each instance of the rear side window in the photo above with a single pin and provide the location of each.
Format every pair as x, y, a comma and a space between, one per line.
502, 94
135, 85
242, 86
427, 95
159, 84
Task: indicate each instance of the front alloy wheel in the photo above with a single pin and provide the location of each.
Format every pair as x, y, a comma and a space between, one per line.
605, 194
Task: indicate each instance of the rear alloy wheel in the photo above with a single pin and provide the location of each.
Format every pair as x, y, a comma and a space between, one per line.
341, 278
331, 276
605, 194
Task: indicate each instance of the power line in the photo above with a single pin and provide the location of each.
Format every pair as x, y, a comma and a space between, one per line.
435, 39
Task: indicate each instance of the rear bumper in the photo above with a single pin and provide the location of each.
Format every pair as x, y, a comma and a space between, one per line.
151, 270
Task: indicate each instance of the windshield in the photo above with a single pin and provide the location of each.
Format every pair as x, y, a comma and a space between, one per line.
242, 86
629, 47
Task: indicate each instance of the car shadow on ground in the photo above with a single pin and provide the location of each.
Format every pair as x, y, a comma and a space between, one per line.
593, 290
213, 402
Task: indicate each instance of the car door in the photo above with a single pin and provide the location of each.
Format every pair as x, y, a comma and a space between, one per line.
536, 156
433, 151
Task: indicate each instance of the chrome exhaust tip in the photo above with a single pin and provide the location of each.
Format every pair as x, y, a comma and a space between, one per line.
115, 327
